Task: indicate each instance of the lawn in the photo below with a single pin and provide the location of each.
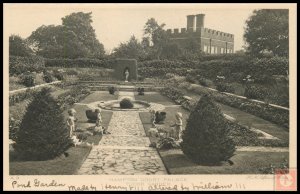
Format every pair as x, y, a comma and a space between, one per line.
64, 165
244, 163
59, 166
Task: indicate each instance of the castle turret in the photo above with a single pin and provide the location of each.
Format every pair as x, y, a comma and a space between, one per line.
199, 21
190, 23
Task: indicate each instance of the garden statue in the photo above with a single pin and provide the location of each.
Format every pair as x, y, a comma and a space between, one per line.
126, 75
177, 126
152, 117
71, 121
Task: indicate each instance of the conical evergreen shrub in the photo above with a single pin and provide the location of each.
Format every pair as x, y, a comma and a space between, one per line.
205, 139
43, 133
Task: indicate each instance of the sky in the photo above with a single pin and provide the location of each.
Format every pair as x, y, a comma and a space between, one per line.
116, 23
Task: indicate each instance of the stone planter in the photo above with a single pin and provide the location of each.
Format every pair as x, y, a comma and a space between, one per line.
91, 115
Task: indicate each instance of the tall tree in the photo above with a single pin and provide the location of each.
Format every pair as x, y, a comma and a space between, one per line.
156, 35
81, 24
268, 30
18, 46
73, 39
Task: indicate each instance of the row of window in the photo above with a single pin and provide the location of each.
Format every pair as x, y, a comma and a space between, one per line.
215, 50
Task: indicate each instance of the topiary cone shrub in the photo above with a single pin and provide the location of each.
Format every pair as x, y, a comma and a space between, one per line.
206, 137
126, 103
43, 133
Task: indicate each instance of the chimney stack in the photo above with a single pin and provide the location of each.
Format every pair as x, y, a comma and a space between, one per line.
199, 21
190, 23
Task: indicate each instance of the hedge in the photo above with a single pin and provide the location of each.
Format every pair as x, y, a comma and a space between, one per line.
150, 72
19, 65
233, 67
80, 62
168, 64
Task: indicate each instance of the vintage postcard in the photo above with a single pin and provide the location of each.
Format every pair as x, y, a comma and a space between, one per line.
153, 97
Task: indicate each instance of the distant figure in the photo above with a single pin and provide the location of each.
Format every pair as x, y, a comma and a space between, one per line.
177, 126
126, 75
71, 121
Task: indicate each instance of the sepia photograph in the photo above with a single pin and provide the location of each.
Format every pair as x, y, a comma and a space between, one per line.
150, 97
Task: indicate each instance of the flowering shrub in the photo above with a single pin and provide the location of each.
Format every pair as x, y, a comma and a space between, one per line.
13, 128
28, 80
256, 92
224, 87
48, 77
59, 75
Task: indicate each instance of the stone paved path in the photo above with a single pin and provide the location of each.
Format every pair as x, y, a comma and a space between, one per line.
126, 150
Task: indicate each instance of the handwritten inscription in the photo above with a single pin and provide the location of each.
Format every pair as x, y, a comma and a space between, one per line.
136, 186
36, 183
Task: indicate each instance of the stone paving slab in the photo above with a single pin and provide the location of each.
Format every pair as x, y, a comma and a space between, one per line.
125, 141
125, 151
122, 162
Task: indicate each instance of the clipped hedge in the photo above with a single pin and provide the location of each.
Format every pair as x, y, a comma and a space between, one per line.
234, 67
80, 63
168, 64
151, 72
19, 65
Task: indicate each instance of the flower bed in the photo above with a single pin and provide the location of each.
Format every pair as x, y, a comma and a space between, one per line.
270, 113
75, 94
242, 135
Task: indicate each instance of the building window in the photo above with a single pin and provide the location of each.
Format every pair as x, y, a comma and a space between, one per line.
222, 50
205, 48
216, 50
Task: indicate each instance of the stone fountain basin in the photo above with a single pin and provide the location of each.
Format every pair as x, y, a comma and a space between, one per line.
115, 105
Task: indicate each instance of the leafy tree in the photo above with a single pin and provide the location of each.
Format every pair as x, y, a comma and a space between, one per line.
75, 38
18, 46
171, 51
43, 133
130, 49
156, 35
81, 24
206, 137
267, 30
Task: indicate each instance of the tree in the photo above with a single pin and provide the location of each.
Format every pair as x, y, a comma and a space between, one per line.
267, 30
206, 137
18, 46
130, 49
43, 133
75, 38
81, 24
171, 51
156, 35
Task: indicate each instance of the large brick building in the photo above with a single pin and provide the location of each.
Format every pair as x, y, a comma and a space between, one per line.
210, 41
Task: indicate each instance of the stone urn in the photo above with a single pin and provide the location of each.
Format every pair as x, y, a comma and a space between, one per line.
91, 115
160, 117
